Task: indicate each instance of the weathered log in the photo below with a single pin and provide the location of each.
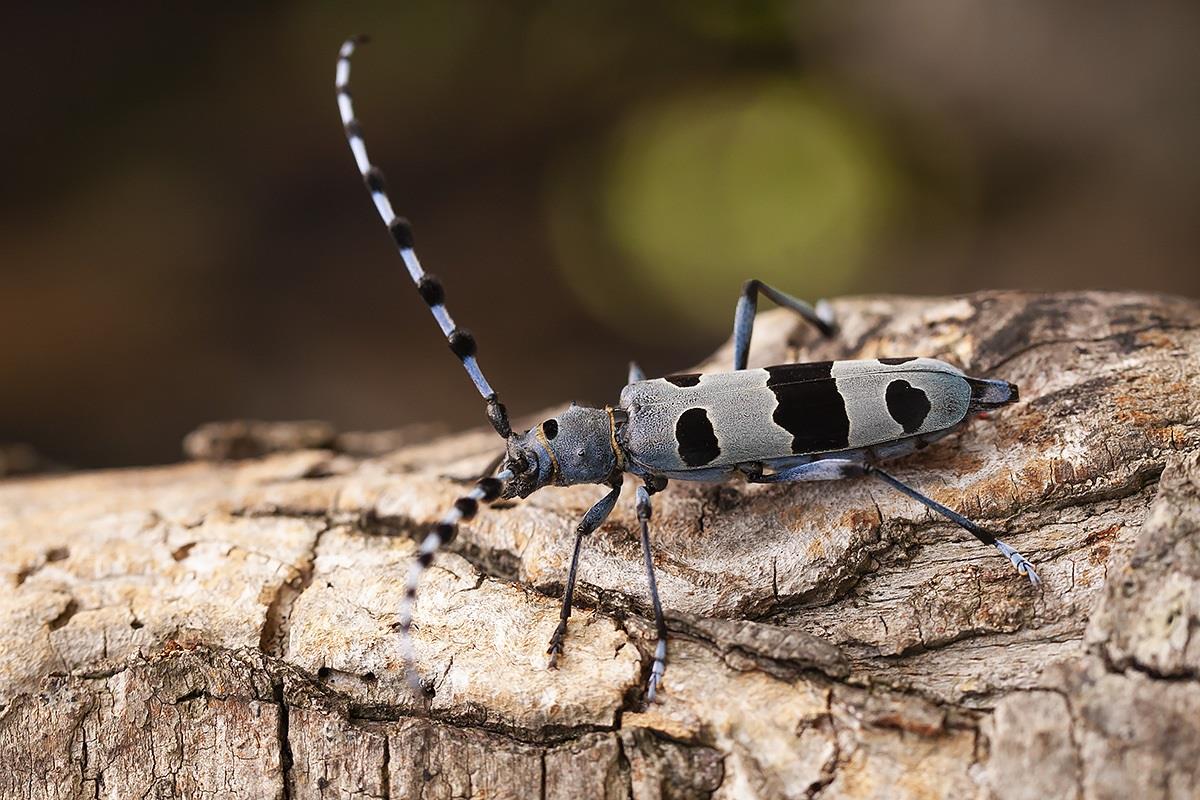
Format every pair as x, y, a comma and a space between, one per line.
225, 629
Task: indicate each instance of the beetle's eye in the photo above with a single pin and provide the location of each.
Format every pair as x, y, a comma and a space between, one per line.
550, 429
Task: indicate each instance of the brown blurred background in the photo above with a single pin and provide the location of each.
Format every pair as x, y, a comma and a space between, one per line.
184, 236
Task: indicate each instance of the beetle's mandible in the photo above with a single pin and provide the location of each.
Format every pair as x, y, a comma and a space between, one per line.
786, 423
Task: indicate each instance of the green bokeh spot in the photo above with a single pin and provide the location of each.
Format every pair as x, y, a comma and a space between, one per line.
770, 181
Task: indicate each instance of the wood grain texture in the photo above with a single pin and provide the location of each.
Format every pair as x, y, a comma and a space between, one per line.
224, 629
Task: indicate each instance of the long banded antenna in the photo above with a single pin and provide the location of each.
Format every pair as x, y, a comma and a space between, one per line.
464, 508
462, 343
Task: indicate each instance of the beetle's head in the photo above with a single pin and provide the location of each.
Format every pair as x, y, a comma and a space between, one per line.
530, 464
577, 446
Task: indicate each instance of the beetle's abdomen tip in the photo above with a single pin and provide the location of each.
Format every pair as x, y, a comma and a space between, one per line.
987, 394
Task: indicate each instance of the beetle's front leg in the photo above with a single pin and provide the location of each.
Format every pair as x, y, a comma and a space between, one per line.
591, 520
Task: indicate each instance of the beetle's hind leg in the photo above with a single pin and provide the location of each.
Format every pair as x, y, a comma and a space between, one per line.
829, 469
820, 317
1019, 561
591, 520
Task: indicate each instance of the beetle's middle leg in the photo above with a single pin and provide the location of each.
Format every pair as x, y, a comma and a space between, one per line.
593, 519
820, 317
660, 647
836, 468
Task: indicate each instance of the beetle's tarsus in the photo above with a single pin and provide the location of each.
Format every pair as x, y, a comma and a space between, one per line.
556, 645
656, 670
653, 683
1020, 562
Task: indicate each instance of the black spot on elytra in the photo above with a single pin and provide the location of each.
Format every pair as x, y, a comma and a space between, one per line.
696, 439
683, 380
893, 362
550, 429
809, 407
790, 373
907, 405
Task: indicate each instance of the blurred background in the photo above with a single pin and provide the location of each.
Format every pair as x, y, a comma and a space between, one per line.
184, 237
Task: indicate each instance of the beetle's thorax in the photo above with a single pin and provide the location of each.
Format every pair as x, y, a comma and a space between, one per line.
578, 446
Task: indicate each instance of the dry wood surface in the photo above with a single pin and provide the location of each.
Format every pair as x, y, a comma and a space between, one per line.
223, 628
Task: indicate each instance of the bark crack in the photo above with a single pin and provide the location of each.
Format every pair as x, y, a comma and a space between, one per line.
1121, 335
286, 759
274, 638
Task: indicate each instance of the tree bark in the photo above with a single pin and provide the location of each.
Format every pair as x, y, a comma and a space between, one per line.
224, 629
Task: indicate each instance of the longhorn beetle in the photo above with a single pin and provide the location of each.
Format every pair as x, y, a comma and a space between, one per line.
788, 423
